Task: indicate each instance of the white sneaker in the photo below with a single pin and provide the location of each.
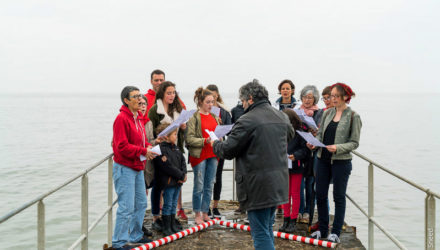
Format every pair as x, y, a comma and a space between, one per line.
334, 238
316, 235
305, 218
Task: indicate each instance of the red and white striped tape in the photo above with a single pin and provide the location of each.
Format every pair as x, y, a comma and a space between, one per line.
175, 236
281, 235
197, 228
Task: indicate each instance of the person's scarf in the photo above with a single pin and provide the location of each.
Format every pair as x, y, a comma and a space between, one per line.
309, 111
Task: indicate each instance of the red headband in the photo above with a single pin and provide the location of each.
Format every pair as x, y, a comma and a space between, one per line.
347, 90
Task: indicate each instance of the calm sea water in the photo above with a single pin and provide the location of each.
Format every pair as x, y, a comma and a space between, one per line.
47, 138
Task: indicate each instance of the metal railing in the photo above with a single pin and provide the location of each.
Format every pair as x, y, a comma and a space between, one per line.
429, 208
85, 228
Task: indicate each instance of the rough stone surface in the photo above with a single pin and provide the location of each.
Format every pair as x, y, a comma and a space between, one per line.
218, 237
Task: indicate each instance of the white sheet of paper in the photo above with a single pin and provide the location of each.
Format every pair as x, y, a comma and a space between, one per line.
183, 118
170, 128
289, 162
156, 149
310, 139
212, 135
222, 130
215, 110
143, 158
306, 119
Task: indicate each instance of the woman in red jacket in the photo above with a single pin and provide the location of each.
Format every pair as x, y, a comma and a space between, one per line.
131, 149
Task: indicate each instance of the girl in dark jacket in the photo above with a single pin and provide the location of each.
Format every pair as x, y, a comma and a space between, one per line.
297, 152
170, 174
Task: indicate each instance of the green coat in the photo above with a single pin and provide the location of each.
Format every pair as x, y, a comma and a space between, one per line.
347, 133
156, 118
194, 137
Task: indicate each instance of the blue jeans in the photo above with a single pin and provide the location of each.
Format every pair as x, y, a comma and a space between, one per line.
132, 201
170, 197
204, 178
261, 221
340, 171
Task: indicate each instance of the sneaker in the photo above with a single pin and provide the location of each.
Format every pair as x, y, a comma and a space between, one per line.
181, 214
146, 231
143, 240
334, 238
126, 247
316, 235
299, 218
216, 213
305, 218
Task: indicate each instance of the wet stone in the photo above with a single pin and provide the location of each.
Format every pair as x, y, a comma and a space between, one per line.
218, 237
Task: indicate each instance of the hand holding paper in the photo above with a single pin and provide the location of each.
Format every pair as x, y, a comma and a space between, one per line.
310, 139
211, 135
156, 149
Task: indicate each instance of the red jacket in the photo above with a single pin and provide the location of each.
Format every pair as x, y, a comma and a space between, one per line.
151, 99
129, 139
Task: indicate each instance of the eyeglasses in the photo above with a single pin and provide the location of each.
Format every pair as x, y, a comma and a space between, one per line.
143, 104
335, 96
308, 97
136, 96
325, 98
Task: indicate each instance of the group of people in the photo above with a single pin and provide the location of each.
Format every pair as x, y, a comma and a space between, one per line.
262, 141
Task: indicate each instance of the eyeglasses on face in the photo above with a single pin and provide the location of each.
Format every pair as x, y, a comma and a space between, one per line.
136, 96
325, 98
335, 96
308, 97
143, 104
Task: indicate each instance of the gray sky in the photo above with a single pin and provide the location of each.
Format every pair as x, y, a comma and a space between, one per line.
101, 46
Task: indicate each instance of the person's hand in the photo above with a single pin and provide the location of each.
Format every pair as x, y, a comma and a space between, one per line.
183, 126
310, 146
314, 132
208, 140
159, 139
150, 155
184, 180
331, 148
291, 157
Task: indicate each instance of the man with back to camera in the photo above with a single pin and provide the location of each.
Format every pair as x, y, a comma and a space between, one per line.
258, 141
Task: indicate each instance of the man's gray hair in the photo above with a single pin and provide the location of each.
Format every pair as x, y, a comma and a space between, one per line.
253, 89
310, 89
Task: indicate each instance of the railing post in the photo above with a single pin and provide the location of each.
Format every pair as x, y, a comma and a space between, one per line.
429, 221
41, 225
110, 202
370, 206
85, 211
234, 193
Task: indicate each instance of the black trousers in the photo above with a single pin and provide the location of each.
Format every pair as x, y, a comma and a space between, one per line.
218, 180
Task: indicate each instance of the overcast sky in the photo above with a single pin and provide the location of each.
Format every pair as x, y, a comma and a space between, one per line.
101, 46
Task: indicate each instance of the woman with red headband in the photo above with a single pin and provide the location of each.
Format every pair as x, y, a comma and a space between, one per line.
340, 130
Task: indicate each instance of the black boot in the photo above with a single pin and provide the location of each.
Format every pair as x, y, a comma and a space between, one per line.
285, 224
175, 224
291, 227
166, 225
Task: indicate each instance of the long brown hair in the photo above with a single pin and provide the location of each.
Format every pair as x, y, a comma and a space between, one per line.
213, 87
200, 95
294, 119
176, 105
